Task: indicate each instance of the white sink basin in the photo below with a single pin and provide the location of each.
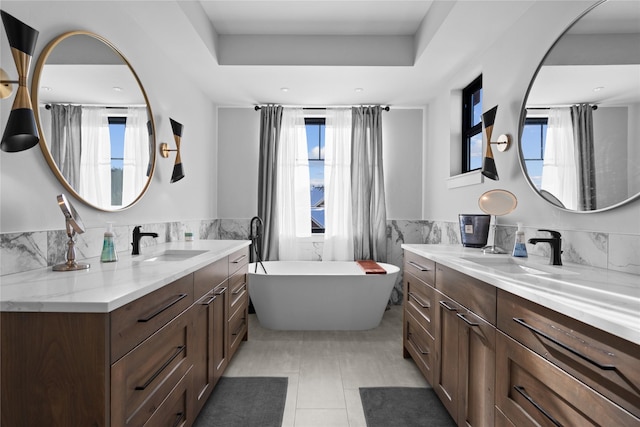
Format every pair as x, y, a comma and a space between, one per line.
173, 255
513, 266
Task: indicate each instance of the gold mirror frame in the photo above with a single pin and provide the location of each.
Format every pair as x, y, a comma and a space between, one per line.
35, 87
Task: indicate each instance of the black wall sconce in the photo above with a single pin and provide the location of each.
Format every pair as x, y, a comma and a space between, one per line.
178, 172
21, 132
504, 141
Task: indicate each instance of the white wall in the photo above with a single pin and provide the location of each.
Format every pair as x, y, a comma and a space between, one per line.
507, 68
28, 188
238, 139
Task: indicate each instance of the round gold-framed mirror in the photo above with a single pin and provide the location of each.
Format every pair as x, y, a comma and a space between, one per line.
578, 126
96, 126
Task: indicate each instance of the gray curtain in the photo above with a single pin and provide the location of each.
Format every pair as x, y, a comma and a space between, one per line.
270, 124
582, 117
367, 185
66, 135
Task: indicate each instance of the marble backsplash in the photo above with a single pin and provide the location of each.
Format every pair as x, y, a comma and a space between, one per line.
32, 250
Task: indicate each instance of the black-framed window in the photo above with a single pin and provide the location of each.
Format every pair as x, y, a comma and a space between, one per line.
534, 137
315, 127
117, 127
472, 126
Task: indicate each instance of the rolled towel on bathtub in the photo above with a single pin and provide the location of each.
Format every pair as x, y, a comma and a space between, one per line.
371, 267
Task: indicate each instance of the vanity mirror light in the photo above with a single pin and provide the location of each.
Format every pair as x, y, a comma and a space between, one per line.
580, 123
496, 203
95, 121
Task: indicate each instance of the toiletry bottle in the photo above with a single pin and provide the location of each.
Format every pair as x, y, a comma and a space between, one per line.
109, 253
520, 247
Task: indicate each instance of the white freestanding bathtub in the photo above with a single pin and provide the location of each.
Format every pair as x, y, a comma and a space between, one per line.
316, 295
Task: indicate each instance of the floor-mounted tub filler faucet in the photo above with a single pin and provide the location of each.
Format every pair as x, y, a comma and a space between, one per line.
555, 241
137, 235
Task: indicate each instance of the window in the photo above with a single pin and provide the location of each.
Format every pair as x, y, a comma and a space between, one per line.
472, 126
315, 127
533, 144
117, 127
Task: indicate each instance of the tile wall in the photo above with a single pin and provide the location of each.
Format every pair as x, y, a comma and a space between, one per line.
32, 250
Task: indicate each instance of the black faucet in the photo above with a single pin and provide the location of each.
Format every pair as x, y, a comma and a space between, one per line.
555, 241
137, 235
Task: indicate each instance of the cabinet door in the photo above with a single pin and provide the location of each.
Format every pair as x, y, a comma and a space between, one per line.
448, 329
203, 363
220, 327
477, 371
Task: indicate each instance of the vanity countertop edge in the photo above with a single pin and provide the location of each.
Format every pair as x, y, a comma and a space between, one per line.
606, 299
105, 287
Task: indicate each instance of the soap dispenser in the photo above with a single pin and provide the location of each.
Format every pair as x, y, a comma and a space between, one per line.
109, 253
520, 247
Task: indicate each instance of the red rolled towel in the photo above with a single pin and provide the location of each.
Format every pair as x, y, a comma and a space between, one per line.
371, 267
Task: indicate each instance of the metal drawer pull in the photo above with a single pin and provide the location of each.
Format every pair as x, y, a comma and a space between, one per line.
564, 346
240, 328
410, 338
163, 308
210, 300
419, 267
237, 291
221, 291
179, 417
524, 394
446, 305
419, 301
467, 321
237, 260
159, 371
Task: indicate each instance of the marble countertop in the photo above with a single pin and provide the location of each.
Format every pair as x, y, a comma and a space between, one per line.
605, 299
106, 286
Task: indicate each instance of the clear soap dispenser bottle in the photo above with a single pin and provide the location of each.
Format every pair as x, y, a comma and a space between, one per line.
520, 247
109, 253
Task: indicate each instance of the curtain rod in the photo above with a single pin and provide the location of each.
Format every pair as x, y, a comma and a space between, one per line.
121, 107
259, 107
593, 106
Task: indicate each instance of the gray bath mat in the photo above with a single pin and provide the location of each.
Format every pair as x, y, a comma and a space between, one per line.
403, 407
245, 402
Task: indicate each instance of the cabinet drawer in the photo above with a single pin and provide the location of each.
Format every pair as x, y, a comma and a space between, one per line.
238, 259
424, 269
608, 364
207, 278
142, 379
237, 330
530, 391
418, 301
420, 345
476, 295
238, 291
176, 410
134, 322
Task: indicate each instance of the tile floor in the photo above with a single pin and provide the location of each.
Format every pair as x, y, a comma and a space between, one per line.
326, 368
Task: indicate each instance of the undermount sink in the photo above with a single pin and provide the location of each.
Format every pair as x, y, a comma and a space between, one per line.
173, 255
512, 266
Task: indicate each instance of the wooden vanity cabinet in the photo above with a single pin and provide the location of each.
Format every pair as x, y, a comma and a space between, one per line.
418, 322
207, 329
610, 366
238, 300
151, 362
464, 374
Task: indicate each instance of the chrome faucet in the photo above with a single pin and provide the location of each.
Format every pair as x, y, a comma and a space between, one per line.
137, 235
555, 241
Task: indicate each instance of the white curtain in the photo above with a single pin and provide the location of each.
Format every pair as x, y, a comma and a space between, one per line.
293, 185
136, 154
559, 172
95, 158
338, 234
